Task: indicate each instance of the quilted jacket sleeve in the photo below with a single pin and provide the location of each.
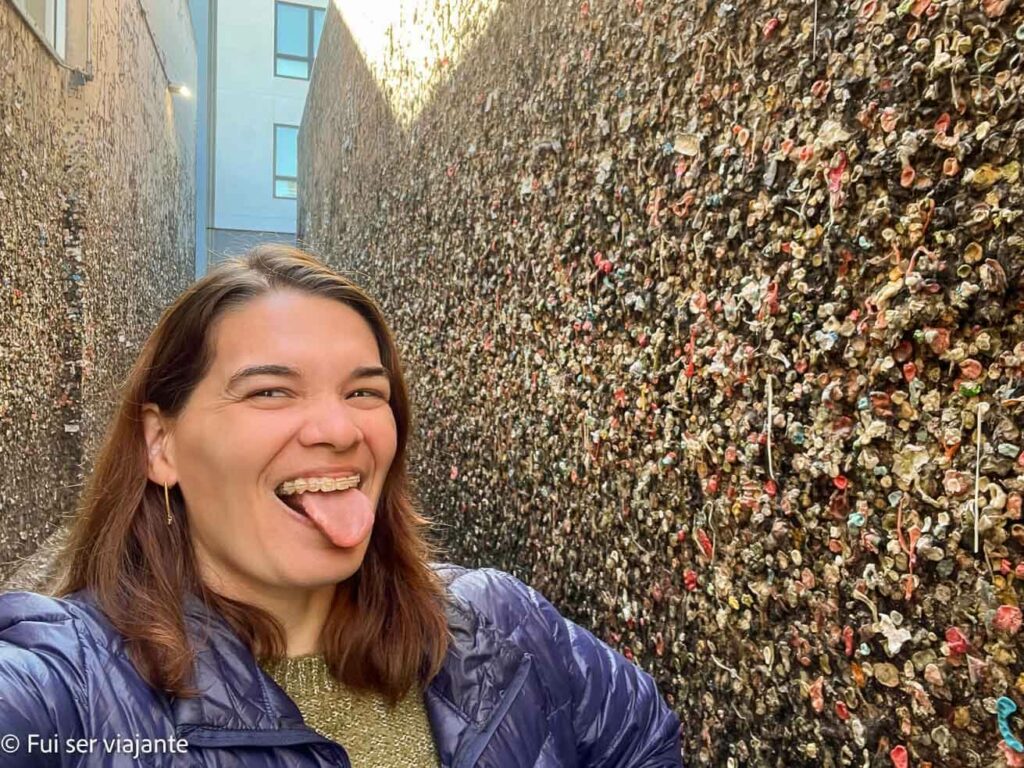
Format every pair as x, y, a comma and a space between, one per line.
42, 681
620, 719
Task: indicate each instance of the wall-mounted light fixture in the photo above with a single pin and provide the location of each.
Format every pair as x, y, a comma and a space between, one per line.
179, 88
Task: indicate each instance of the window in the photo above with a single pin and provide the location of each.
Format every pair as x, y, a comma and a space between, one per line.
49, 19
297, 31
286, 161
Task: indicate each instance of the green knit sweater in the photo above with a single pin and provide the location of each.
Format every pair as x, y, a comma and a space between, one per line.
371, 733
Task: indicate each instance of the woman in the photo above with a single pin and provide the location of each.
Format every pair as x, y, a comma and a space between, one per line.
248, 583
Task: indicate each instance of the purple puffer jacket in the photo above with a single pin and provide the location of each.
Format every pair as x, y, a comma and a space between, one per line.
521, 686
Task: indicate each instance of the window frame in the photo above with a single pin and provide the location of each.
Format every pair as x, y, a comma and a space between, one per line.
59, 29
277, 178
311, 11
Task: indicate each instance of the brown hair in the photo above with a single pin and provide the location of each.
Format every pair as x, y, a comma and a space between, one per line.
386, 631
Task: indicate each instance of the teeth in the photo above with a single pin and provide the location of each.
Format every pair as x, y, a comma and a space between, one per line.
317, 484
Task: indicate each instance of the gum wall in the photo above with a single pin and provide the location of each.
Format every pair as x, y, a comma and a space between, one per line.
712, 315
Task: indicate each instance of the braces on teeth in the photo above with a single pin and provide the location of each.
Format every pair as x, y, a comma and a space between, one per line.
318, 484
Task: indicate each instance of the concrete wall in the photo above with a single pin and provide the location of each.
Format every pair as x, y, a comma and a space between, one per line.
700, 304
169, 26
96, 237
249, 100
199, 10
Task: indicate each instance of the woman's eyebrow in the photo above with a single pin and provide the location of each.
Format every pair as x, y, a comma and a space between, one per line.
370, 372
269, 369
262, 370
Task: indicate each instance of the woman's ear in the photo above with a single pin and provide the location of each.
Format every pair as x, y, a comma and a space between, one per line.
159, 446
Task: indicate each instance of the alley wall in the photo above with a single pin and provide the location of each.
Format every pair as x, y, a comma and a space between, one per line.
713, 322
97, 215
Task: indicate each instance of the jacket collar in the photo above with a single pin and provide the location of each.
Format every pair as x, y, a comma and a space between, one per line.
480, 678
240, 705
235, 696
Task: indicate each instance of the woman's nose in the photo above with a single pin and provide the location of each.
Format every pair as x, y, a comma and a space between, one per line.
333, 422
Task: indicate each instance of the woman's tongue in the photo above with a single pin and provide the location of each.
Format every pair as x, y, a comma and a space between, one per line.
345, 517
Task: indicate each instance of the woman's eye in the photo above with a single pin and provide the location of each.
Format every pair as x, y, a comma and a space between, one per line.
269, 394
372, 392
260, 392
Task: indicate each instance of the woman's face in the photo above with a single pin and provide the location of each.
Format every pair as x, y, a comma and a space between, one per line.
291, 392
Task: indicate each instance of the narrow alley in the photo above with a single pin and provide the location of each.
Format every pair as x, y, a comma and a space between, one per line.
711, 314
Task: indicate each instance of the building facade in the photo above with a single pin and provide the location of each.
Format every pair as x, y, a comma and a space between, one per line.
255, 61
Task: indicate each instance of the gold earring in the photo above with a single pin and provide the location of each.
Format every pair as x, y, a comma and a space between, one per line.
167, 503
